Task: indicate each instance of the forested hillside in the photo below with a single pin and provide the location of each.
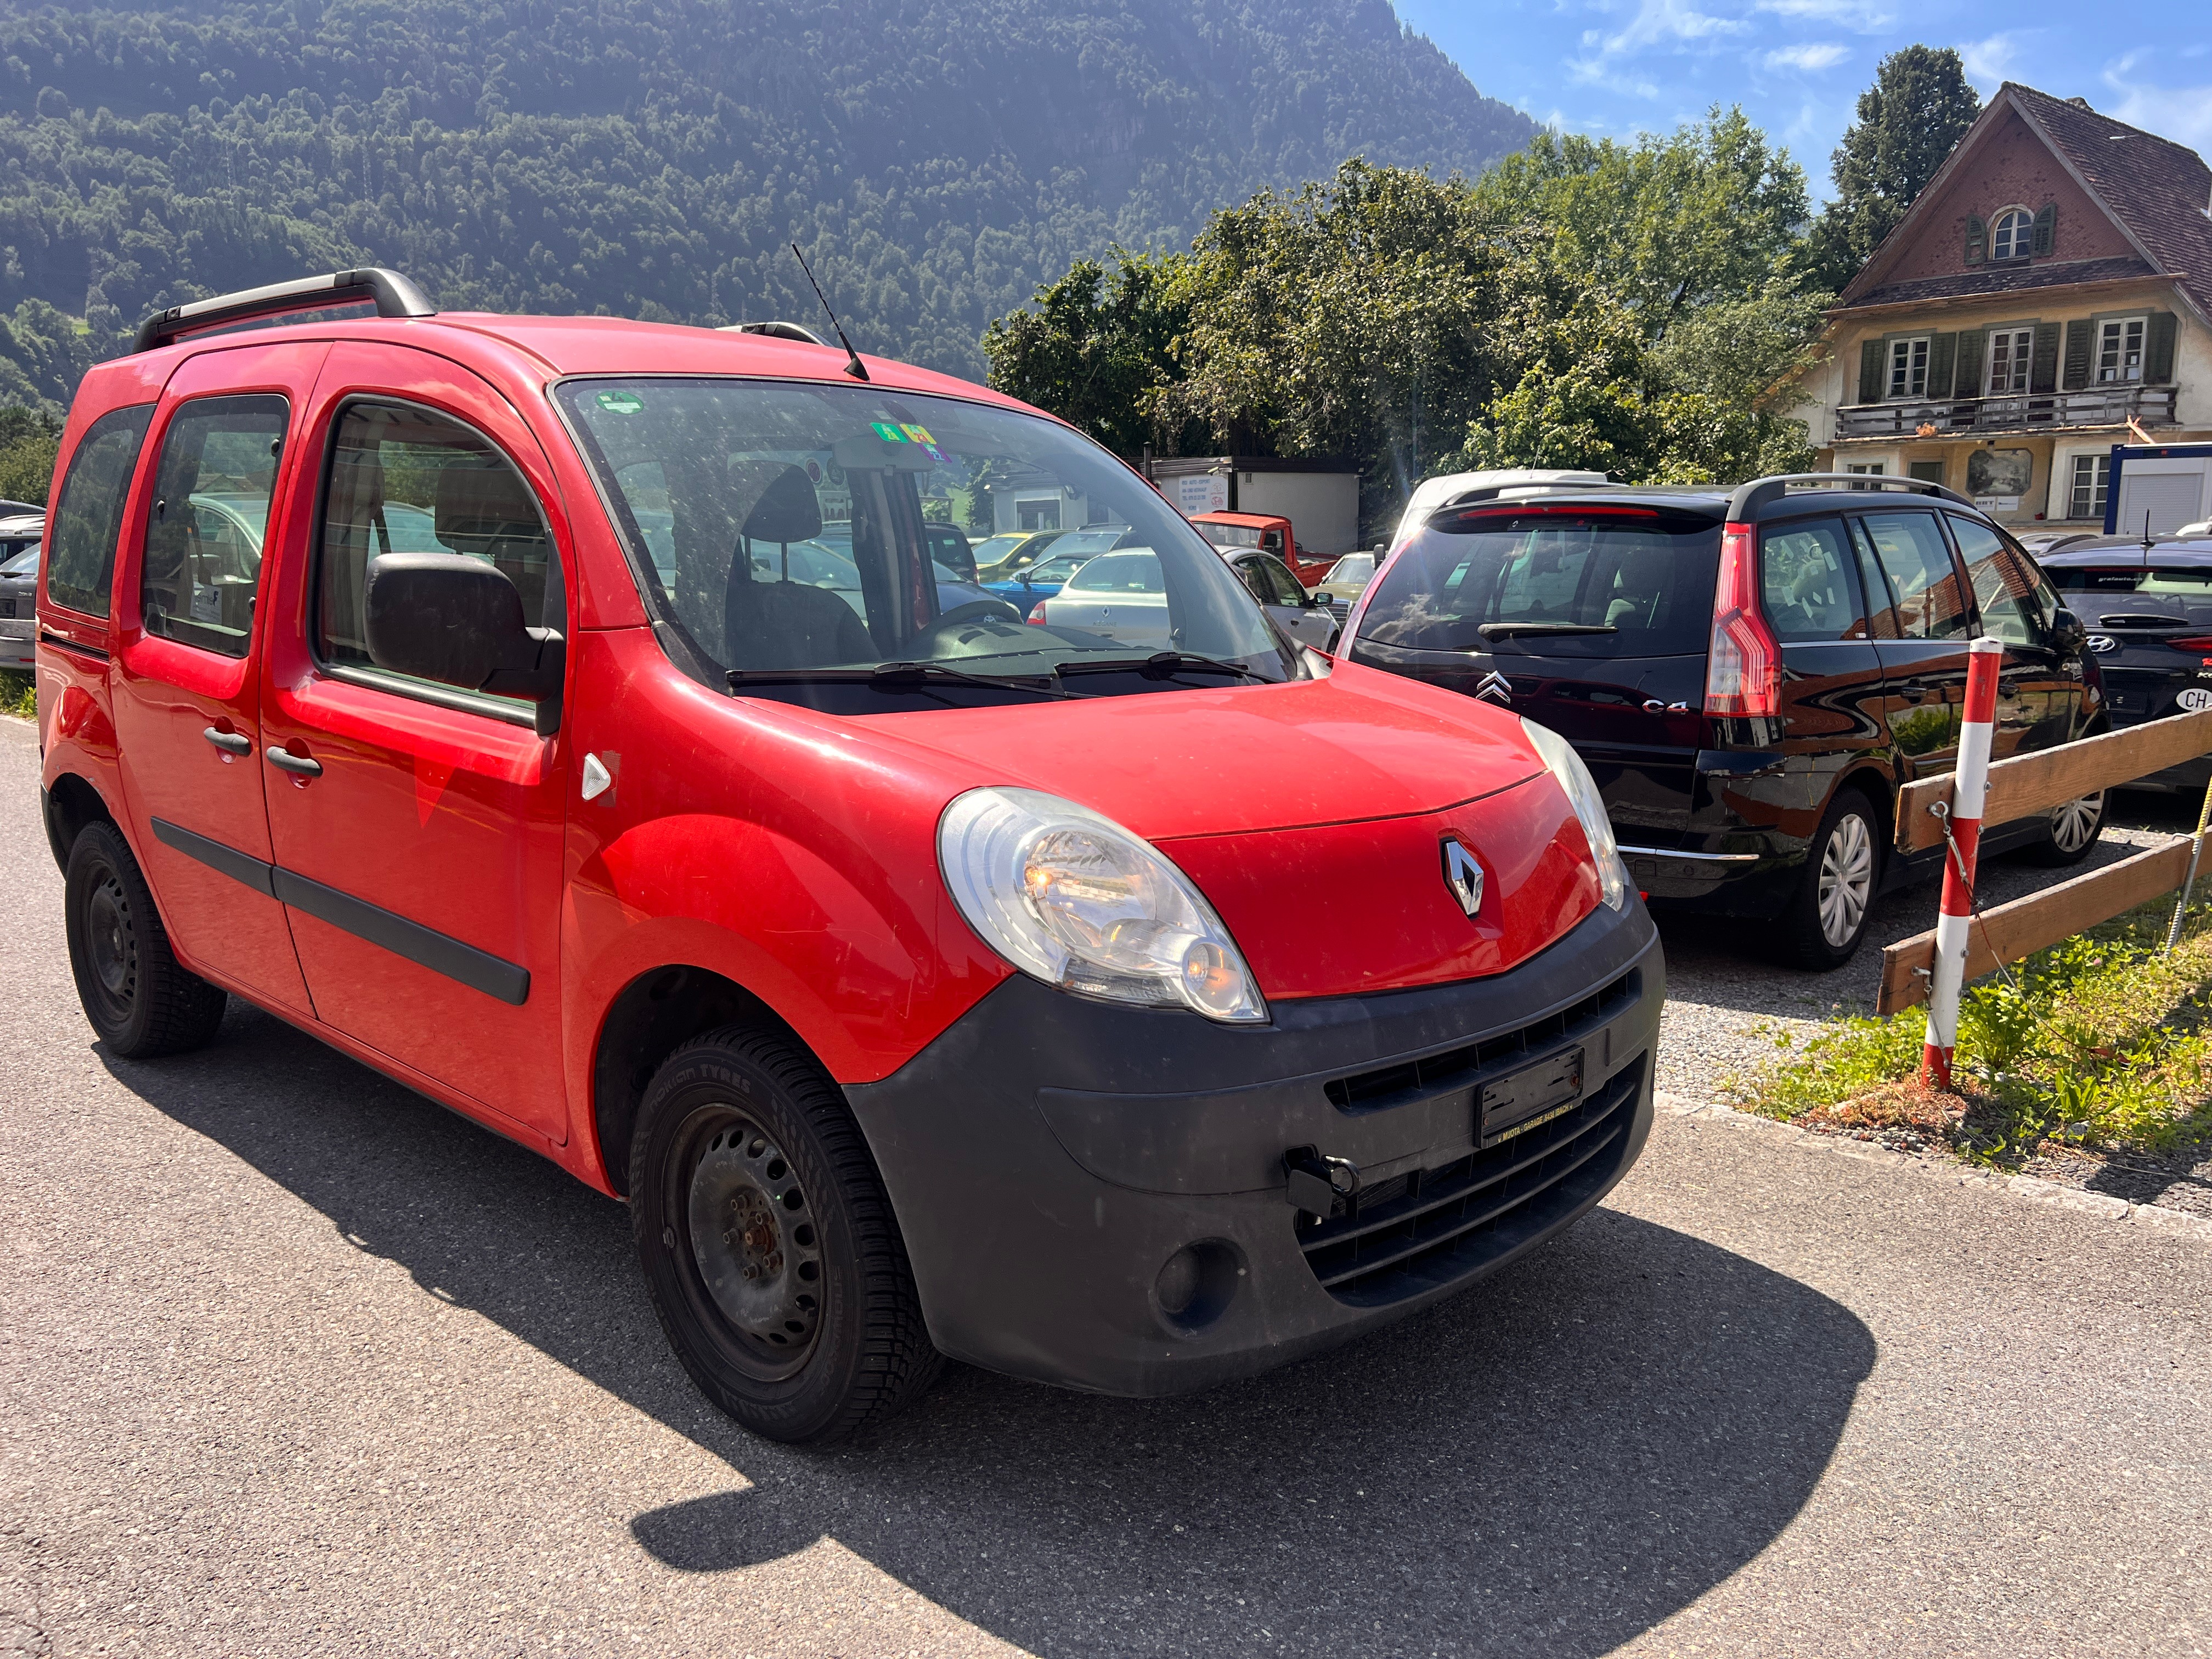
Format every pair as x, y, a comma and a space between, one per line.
938, 158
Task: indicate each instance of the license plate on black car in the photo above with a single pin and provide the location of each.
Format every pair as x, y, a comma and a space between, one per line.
1535, 1094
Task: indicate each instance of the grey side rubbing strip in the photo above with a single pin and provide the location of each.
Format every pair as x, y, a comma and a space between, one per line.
440, 953
239, 867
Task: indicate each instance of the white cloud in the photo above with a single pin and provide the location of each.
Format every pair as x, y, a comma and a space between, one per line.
1990, 61
1814, 55
2181, 114
1850, 13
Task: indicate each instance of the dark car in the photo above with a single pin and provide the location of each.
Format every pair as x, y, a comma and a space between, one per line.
19, 589
1750, 674
2148, 609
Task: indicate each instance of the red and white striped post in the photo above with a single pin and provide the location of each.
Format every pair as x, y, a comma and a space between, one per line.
1970, 784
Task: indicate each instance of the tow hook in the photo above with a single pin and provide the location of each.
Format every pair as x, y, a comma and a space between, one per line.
1322, 1187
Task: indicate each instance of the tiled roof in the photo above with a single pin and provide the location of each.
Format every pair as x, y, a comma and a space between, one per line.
2001, 279
2157, 189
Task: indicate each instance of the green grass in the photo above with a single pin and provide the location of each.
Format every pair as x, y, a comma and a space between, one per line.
16, 696
2101, 1040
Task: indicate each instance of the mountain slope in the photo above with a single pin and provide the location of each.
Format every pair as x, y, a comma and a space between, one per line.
938, 158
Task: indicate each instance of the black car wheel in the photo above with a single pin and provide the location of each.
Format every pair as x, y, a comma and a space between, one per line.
1828, 916
141, 1000
2068, 834
769, 1244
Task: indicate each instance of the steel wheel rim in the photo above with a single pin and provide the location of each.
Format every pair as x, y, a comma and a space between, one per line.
111, 946
2074, 824
1846, 879
756, 1245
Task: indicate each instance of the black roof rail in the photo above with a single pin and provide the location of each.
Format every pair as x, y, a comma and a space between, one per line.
393, 295
1750, 498
776, 330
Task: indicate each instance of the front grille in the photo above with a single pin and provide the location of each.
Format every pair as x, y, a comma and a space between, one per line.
1422, 1230
1456, 1068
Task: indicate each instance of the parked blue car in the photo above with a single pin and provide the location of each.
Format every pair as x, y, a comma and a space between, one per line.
1040, 581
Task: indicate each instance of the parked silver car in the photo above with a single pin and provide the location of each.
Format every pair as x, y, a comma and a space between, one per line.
1120, 596
20, 539
1309, 620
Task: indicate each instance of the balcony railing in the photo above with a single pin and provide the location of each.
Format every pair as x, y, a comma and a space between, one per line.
2097, 405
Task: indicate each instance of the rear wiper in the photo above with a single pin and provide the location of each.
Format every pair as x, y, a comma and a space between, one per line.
887, 677
1509, 630
1159, 664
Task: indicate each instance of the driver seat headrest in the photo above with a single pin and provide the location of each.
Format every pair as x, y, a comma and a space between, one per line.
786, 510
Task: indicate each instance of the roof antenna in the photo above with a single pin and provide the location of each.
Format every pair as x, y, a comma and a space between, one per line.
852, 358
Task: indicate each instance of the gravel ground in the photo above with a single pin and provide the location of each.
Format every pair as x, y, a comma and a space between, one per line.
1720, 993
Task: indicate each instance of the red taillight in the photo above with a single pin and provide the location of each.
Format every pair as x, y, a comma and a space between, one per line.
1036, 613
1743, 665
2199, 643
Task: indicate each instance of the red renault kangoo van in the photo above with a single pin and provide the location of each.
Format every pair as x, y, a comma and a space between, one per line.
566, 717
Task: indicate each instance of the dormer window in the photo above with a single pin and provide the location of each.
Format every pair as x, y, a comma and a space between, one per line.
2014, 234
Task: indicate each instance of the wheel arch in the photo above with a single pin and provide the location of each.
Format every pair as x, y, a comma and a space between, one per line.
67, 804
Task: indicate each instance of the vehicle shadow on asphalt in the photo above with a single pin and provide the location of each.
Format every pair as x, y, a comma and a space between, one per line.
1549, 1464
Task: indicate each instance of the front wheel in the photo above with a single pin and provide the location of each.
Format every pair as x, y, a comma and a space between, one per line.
1828, 916
769, 1244
2070, 834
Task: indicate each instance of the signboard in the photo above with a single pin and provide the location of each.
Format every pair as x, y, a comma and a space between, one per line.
1203, 492
1998, 503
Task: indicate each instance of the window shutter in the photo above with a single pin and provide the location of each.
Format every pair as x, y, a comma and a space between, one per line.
1978, 239
1870, 387
2043, 368
2078, 334
1970, 346
2046, 227
1942, 350
2158, 349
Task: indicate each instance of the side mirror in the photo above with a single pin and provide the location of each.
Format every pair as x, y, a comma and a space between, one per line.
2068, 630
459, 621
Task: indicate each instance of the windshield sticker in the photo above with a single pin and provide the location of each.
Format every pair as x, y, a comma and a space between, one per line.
621, 403
887, 432
919, 434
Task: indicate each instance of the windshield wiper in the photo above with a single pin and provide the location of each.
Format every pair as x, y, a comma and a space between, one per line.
1159, 664
1509, 630
887, 677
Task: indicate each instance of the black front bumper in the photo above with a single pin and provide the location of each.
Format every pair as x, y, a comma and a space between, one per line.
1048, 1156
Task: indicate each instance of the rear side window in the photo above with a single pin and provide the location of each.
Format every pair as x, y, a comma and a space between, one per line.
1614, 586
408, 480
89, 514
2007, 588
1809, 589
1912, 554
204, 536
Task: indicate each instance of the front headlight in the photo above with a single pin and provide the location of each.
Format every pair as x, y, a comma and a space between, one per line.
1076, 901
1581, 794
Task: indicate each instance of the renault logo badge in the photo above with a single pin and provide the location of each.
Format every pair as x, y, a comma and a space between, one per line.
1464, 875
1497, 688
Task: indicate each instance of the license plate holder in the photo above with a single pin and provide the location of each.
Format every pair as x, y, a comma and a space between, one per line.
1518, 1102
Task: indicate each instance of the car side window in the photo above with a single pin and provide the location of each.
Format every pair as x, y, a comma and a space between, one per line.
1913, 555
89, 511
408, 480
1806, 581
202, 563
1288, 590
2004, 583
1249, 573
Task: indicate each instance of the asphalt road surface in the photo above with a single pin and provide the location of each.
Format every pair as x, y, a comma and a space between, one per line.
293, 1361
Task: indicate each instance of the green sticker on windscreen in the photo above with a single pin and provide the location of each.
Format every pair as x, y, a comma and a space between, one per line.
621, 403
887, 432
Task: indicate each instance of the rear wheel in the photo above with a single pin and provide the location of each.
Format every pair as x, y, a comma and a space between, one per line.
1827, 918
769, 1243
2070, 834
140, 999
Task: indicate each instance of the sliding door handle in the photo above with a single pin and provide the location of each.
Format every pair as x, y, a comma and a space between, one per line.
299, 765
231, 742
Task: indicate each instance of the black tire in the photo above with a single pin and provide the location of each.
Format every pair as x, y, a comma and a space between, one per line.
1824, 923
142, 1003
769, 1243
2068, 835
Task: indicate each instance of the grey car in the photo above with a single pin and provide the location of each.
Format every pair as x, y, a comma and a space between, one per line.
1119, 595
1308, 618
19, 540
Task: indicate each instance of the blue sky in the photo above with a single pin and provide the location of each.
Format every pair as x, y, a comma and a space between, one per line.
1613, 68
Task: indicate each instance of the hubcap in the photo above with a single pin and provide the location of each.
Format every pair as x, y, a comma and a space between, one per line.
108, 937
1846, 879
2074, 824
755, 1241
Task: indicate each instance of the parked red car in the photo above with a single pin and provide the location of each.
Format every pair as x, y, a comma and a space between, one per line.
1270, 533
455, 688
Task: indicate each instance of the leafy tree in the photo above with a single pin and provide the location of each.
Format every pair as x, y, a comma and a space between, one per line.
1911, 118
1098, 351
30, 439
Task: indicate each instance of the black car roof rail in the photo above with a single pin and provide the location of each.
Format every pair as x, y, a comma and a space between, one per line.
776, 331
1750, 498
394, 295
